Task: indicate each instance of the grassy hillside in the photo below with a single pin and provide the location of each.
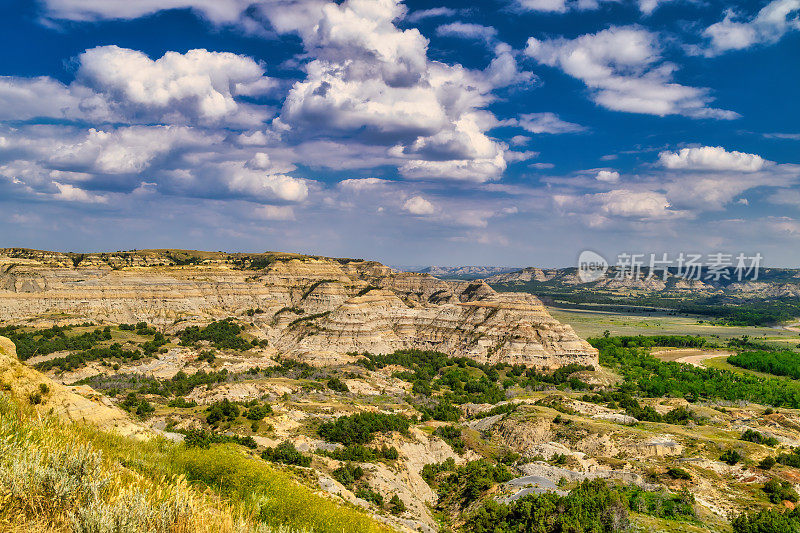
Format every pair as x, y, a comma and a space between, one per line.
58, 476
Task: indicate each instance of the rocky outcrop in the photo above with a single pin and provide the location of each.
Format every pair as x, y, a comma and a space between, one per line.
312, 307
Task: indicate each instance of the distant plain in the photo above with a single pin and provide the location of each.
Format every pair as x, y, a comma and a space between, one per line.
591, 323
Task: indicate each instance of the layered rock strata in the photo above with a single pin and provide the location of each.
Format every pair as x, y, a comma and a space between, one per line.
314, 307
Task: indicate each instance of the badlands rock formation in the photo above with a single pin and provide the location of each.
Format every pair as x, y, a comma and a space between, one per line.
770, 282
311, 307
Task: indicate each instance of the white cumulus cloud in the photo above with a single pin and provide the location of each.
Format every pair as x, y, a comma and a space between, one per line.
121, 151
70, 193
43, 97
417, 205
711, 158
363, 184
370, 79
116, 84
263, 184
636, 204
770, 24
648, 6
625, 72
196, 85
608, 176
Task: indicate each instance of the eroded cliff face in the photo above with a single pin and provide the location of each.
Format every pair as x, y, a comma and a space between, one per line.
311, 307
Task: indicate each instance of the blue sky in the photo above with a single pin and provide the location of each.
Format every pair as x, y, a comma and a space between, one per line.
513, 132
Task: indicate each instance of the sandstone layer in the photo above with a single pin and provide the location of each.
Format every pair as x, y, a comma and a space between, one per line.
317, 308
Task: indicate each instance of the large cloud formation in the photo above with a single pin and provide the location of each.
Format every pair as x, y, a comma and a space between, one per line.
159, 119
370, 79
198, 85
623, 68
116, 84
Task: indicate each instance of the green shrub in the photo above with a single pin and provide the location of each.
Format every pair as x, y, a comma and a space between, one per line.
182, 403
680, 415
222, 411
361, 454
337, 385
790, 459
152, 346
50, 340
754, 436
79, 359
348, 474
443, 411
767, 521
396, 505
390, 453
198, 438
370, 495
431, 470
731, 457
779, 363
208, 356
361, 427
778, 491
145, 409
286, 453
430, 371
258, 412
660, 504
678, 473
222, 334
465, 483
452, 436
591, 507
766, 463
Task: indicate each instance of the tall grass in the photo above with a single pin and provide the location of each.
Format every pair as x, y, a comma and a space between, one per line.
57, 476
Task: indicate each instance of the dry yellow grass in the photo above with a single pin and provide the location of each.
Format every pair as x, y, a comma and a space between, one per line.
59, 476
53, 479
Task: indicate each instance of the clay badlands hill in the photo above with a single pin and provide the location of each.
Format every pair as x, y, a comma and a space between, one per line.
316, 308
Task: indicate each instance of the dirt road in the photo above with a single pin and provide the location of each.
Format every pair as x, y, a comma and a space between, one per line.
691, 356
